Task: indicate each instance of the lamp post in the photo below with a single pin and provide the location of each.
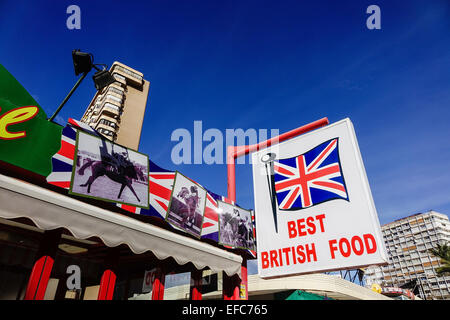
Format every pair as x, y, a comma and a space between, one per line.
83, 63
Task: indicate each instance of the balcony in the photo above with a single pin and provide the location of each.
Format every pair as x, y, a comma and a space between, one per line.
107, 120
119, 78
128, 74
101, 127
118, 99
110, 109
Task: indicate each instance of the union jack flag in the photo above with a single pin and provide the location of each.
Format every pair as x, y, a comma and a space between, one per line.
160, 183
62, 161
310, 178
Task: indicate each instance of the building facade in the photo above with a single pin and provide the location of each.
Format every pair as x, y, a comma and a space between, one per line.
117, 111
408, 241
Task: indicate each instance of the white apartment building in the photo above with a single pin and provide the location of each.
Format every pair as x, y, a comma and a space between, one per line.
408, 241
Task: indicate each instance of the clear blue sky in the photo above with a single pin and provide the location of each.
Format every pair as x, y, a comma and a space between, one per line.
262, 64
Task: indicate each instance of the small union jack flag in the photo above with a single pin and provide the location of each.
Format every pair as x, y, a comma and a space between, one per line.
310, 178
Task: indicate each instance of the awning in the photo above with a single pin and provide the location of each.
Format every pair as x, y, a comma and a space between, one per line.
50, 210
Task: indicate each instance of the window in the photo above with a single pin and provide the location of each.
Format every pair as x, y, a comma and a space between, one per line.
108, 123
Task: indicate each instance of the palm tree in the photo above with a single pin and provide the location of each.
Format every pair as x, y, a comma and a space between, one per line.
442, 251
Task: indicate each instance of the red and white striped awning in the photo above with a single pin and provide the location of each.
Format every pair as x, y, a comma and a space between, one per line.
50, 210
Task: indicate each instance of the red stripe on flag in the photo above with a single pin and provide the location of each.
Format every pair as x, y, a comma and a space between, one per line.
67, 150
329, 185
162, 176
292, 198
162, 204
128, 208
323, 153
211, 214
61, 184
159, 190
283, 171
72, 122
208, 224
211, 199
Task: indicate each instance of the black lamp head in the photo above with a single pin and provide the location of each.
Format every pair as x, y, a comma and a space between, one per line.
82, 62
103, 78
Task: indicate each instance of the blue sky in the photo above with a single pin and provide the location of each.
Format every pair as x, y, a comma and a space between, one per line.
262, 65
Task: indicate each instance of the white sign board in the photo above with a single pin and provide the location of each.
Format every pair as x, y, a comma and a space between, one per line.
313, 206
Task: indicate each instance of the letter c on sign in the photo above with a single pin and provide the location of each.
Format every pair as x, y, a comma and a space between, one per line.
16, 116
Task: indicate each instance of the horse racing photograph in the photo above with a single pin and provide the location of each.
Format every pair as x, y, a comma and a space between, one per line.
110, 172
235, 226
187, 205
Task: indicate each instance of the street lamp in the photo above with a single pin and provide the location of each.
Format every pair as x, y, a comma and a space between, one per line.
102, 78
83, 63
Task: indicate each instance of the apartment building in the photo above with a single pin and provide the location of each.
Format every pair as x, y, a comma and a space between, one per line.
408, 241
117, 111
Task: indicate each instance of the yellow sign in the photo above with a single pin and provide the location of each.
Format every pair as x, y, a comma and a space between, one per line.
243, 291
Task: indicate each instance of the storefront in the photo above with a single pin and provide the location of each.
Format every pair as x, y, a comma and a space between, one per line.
44, 232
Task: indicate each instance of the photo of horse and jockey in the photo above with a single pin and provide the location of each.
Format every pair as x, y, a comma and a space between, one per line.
235, 226
187, 205
109, 172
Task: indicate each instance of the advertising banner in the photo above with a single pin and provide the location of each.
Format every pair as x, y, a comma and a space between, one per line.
313, 205
27, 139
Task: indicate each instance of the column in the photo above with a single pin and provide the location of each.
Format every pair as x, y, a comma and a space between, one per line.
45, 258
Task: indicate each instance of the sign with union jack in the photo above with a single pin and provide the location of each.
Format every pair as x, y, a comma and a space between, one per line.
310, 178
314, 210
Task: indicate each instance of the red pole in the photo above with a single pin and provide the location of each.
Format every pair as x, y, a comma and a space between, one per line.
238, 151
107, 284
40, 274
158, 284
231, 173
108, 280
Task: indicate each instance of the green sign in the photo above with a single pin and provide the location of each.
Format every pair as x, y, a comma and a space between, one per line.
27, 139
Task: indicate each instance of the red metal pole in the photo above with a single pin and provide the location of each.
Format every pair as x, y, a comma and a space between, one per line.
238, 151
231, 173
40, 274
243, 150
